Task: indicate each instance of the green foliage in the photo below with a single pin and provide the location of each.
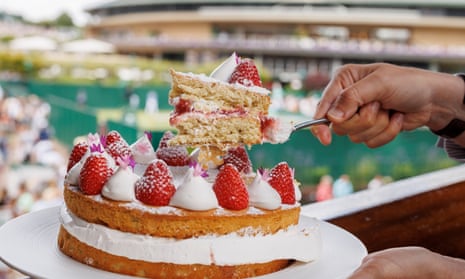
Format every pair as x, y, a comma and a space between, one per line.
64, 20
312, 175
363, 170
33, 66
403, 170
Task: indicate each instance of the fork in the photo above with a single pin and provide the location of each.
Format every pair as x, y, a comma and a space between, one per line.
310, 122
282, 132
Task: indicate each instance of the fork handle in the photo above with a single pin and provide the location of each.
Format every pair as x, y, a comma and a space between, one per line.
311, 122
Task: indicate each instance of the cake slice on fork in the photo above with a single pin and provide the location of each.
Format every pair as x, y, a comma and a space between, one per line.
228, 108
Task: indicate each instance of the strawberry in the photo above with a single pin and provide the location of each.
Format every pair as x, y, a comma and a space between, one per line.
155, 186
113, 136
230, 189
238, 157
282, 180
94, 174
172, 155
165, 138
79, 149
246, 73
118, 149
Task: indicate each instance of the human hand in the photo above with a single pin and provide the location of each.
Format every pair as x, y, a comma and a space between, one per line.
409, 262
386, 99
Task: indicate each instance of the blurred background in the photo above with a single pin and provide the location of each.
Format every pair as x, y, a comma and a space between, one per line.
68, 68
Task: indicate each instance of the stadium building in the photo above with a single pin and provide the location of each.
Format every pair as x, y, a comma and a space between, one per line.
289, 36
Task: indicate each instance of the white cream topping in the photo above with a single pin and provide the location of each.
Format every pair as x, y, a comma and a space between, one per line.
298, 193
224, 71
178, 173
262, 195
72, 177
278, 132
142, 150
120, 186
297, 242
194, 193
204, 78
139, 169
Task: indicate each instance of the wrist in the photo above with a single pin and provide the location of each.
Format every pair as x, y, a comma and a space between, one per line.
448, 110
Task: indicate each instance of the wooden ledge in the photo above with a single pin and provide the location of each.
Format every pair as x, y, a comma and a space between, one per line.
426, 210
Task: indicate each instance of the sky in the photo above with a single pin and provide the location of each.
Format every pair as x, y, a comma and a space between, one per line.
37, 10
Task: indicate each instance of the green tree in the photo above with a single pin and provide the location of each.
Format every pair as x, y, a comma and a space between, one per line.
64, 20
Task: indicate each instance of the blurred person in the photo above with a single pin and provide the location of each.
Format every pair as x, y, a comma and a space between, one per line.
376, 182
342, 186
81, 97
324, 189
24, 201
372, 104
49, 197
5, 206
151, 102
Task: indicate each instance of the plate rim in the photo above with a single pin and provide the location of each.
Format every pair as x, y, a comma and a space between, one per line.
47, 214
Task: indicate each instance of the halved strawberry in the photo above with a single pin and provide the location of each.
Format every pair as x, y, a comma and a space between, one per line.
230, 189
79, 149
246, 73
172, 155
155, 187
282, 180
238, 157
94, 174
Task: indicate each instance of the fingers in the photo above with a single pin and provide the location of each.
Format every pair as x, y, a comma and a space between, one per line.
393, 129
352, 87
371, 125
322, 133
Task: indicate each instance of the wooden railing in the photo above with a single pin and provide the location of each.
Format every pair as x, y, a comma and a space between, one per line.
426, 210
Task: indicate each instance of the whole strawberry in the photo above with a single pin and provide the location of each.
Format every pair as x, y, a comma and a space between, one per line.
94, 174
155, 187
282, 180
238, 157
118, 149
79, 149
246, 73
230, 189
113, 136
172, 155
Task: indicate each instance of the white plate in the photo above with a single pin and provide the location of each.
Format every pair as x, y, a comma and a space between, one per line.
29, 244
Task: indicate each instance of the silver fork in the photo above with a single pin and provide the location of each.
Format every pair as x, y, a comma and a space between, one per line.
310, 122
282, 132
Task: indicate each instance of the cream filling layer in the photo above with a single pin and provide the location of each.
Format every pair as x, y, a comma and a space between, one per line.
297, 242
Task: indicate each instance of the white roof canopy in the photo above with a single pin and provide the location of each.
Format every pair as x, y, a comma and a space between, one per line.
88, 46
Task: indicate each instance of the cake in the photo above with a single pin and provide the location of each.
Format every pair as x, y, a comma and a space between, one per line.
227, 108
158, 213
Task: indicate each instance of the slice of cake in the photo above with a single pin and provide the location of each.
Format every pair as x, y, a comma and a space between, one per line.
174, 219
227, 108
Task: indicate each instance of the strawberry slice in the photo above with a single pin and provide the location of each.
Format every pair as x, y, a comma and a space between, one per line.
155, 187
79, 149
246, 73
282, 180
94, 174
172, 155
230, 189
238, 157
